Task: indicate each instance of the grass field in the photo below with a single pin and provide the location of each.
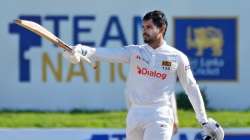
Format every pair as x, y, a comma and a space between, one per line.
108, 119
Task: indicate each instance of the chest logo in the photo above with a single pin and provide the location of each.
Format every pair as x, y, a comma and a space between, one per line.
151, 73
166, 65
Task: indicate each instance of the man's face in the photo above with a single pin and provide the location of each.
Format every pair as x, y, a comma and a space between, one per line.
150, 31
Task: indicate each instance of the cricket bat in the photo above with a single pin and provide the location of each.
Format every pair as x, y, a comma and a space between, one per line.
43, 32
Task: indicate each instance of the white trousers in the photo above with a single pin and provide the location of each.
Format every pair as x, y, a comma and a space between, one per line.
149, 123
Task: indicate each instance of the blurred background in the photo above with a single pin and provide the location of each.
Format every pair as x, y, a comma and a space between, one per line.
48, 98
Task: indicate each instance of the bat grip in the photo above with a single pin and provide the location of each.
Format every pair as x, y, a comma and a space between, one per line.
63, 45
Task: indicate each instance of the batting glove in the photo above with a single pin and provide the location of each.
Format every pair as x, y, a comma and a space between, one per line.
77, 53
212, 130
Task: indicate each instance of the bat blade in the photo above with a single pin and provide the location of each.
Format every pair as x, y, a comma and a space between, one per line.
43, 32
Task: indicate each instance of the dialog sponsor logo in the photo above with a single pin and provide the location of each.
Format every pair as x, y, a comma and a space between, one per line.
151, 73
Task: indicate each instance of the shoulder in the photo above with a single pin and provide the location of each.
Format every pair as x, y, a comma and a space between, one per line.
177, 52
180, 55
136, 47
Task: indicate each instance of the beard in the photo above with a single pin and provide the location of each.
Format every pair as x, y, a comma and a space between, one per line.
147, 39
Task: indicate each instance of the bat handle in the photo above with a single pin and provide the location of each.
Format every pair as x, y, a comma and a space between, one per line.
63, 45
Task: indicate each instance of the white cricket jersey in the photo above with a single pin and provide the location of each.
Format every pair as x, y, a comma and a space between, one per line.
153, 74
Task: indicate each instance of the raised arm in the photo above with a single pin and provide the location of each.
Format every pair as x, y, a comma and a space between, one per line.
116, 55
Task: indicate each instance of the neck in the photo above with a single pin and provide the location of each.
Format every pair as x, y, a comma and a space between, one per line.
157, 43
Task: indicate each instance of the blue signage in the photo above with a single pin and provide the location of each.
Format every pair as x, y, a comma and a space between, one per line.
28, 39
181, 136
211, 46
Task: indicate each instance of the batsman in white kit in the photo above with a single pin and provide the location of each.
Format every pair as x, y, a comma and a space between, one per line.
153, 70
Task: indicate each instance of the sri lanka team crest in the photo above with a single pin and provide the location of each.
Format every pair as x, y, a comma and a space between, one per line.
210, 44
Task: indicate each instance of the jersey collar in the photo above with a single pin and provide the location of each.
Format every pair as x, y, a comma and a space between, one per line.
159, 49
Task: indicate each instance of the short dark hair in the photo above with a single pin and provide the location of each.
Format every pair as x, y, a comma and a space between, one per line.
159, 19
